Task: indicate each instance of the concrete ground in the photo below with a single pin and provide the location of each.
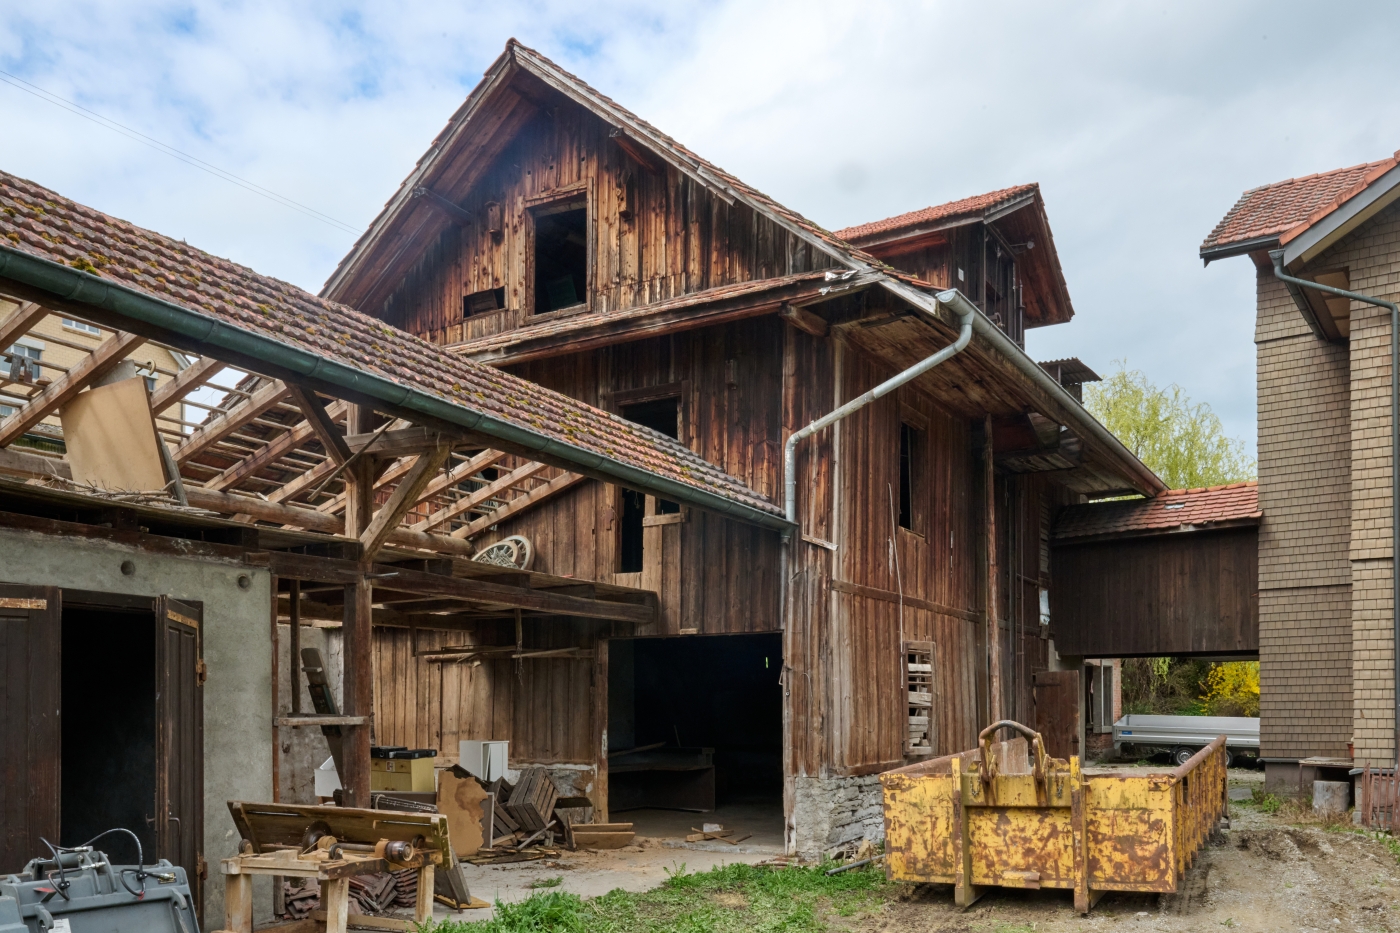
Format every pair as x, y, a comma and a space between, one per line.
660, 848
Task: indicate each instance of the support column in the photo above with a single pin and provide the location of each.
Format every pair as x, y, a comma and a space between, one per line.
993, 591
359, 690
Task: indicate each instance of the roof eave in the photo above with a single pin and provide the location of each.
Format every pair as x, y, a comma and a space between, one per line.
1238, 248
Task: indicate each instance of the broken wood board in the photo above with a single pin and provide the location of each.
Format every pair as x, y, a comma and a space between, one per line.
587, 837
459, 798
111, 438
532, 800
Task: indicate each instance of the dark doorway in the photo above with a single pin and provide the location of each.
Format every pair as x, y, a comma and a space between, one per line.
109, 730
710, 707
561, 256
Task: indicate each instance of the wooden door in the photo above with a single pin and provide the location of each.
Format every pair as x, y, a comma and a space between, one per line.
1057, 711
31, 735
180, 737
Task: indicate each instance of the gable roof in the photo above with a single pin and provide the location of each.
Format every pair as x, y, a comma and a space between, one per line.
1278, 214
1175, 511
67, 255
473, 128
978, 207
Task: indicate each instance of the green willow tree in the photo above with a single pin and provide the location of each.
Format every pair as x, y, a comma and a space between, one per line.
1184, 443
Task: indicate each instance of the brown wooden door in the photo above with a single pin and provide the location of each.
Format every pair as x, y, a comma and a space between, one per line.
1057, 711
180, 737
31, 735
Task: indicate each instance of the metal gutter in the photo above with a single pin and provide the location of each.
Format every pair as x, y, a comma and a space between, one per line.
1255, 244
211, 334
954, 299
1278, 257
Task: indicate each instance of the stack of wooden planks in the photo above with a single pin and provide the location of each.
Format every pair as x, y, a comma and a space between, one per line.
603, 835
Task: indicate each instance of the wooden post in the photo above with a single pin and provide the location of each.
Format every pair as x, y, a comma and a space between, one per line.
359, 689
600, 730
294, 646
993, 593
423, 907
238, 903
335, 901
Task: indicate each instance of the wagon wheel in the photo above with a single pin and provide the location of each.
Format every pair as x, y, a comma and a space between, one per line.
515, 551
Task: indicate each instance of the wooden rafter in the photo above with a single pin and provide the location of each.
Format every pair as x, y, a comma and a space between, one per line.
92, 367
189, 379
462, 471
308, 480
483, 494
273, 450
404, 498
19, 322
222, 425
322, 422
519, 504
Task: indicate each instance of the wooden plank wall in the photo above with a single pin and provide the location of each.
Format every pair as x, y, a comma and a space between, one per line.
1193, 593
543, 707
681, 239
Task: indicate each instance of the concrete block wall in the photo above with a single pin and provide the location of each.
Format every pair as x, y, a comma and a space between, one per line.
1305, 492
832, 812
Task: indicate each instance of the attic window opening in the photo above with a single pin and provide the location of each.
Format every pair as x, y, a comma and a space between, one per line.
561, 255
483, 302
661, 415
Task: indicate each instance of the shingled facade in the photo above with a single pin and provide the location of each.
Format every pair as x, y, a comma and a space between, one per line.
1325, 561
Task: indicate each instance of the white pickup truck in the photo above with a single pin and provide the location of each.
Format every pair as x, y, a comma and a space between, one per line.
1183, 736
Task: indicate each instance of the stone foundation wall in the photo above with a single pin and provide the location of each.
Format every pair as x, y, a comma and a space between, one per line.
831, 813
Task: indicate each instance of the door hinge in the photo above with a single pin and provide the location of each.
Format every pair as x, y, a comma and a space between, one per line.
201, 673
203, 867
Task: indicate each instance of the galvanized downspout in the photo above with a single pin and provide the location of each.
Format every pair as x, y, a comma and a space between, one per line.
1279, 273
965, 309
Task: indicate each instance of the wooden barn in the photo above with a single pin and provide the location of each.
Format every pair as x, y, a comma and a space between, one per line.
556, 236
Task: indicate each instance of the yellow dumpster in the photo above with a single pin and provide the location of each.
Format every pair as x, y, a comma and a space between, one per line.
1007, 815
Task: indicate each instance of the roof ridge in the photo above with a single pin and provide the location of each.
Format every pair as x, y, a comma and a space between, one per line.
933, 211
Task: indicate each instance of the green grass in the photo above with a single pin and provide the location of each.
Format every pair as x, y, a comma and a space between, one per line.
727, 899
1268, 803
547, 882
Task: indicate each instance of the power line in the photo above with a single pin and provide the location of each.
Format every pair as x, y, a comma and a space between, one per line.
137, 136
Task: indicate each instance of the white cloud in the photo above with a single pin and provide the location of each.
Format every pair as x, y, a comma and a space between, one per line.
1142, 122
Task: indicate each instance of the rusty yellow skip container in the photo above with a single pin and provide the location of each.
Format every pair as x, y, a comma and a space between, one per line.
1007, 815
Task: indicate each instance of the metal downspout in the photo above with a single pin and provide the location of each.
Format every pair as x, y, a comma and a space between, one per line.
1279, 273
965, 309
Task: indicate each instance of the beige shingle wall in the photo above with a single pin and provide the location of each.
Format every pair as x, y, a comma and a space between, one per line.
1371, 257
1305, 626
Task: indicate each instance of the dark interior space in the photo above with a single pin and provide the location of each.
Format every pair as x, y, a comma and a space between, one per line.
109, 730
691, 694
561, 258
663, 416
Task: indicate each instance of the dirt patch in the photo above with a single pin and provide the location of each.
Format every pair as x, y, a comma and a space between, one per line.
1259, 877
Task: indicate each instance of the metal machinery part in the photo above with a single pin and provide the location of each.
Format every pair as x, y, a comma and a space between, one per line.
82, 890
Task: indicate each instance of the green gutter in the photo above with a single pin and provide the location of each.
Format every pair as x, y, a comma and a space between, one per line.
83, 288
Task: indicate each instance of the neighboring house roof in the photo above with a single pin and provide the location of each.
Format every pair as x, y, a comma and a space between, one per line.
1072, 369
37, 222
1278, 214
977, 206
1175, 511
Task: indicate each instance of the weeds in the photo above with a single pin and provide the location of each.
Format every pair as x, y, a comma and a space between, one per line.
1267, 803
547, 882
728, 899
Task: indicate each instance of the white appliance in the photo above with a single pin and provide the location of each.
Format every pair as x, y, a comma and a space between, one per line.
484, 759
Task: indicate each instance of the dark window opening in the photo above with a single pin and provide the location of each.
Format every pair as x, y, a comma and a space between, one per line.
561, 258
629, 548
662, 416
910, 449
491, 299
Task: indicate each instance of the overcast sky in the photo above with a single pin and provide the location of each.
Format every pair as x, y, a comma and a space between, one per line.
1143, 122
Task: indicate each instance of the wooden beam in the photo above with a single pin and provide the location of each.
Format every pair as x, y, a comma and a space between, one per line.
271, 452
261, 510
358, 688
401, 442
804, 320
223, 424
20, 321
523, 503
994, 688
404, 498
91, 368
481, 495
473, 590
192, 377
308, 480
322, 422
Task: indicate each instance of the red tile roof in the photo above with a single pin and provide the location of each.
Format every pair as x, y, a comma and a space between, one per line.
968, 207
1178, 510
1287, 208
41, 223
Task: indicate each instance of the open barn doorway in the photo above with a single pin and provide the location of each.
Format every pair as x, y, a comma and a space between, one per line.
695, 727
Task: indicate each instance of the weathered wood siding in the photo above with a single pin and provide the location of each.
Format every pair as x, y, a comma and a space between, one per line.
679, 239
1181, 594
